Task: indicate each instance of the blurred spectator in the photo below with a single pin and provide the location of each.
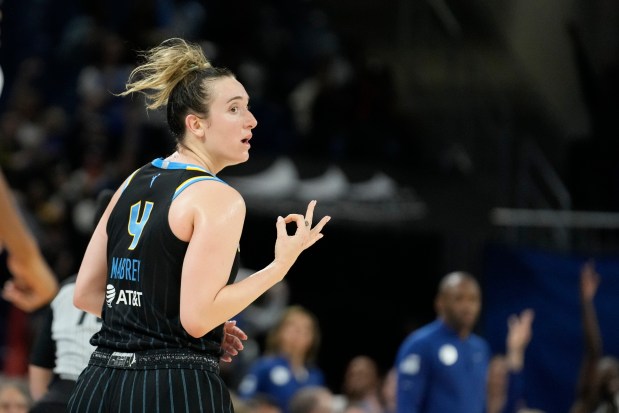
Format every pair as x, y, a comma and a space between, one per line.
442, 366
261, 403
288, 361
388, 390
361, 387
505, 373
598, 384
312, 399
14, 397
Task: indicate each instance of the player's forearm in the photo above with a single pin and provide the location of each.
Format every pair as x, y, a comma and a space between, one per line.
91, 303
230, 300
89, 293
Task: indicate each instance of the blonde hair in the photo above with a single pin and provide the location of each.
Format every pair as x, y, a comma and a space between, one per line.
175, 74
166, 65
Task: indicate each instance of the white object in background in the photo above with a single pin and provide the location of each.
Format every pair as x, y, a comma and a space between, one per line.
277, 181
378, 188
330, 186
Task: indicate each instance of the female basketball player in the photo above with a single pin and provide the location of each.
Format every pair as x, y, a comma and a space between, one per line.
160, 266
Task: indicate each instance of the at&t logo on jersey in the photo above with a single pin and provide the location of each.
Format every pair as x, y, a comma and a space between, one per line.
110, 294
126, 297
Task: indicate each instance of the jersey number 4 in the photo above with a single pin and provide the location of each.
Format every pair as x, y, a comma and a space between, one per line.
137, 223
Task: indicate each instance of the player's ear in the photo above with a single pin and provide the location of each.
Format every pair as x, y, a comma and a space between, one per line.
194, 125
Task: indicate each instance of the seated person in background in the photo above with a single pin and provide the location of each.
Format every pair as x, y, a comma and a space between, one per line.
288, 361
261, 403
361, 387
312, 399
14, 397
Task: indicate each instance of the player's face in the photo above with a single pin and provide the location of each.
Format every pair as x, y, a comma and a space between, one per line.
461, 304
229, 124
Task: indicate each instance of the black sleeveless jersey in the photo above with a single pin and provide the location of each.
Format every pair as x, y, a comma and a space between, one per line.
142, 304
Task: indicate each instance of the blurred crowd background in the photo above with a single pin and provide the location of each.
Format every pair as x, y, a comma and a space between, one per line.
492, 126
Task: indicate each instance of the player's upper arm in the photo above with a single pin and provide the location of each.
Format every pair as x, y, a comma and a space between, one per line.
211, 214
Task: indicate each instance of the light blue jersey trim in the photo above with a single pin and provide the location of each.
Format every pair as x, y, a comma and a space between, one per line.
164, 164
193, 180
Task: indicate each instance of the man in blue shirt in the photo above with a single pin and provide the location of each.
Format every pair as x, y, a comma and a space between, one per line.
442, 366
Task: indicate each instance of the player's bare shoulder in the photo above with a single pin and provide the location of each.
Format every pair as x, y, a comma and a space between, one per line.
211, 196
220, 192
205, 202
